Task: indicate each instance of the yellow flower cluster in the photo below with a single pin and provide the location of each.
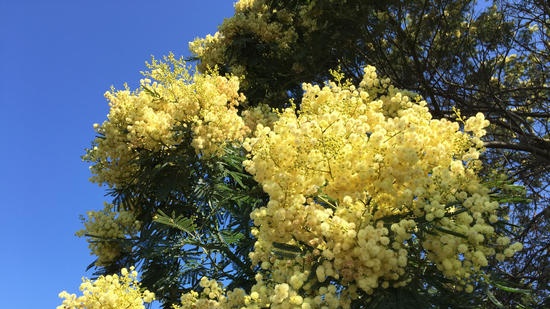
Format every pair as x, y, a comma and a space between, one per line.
109, 292
476, 125
352, 176
350, 162
212, 296
156, 117
259, 115
106, 230
264, 294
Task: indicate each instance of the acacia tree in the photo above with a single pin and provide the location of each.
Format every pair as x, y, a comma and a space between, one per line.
350, 194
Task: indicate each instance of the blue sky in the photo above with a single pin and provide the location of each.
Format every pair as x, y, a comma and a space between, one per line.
57, 58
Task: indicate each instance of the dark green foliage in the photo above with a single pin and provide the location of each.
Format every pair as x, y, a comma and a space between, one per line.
196, 221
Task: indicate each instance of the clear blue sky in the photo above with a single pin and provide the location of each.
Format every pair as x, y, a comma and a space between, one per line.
57, 58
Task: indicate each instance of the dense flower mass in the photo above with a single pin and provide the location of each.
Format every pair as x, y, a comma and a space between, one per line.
109, 292
107, 231
358, 178
170, 105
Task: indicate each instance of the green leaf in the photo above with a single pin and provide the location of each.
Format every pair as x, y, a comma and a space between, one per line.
237, 177
510, 289
179, 222
230, 237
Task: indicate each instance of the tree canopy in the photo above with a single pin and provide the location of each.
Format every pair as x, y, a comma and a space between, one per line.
353, 154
